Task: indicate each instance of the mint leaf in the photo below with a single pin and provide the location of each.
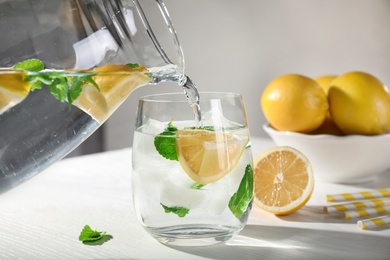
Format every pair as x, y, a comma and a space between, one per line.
133, 65
61, 85
43, 77
36, 85
33, 65
59, 89
171, 127
88, 235
240, 200
165, 143
180, 211
197, 186
38, 79
90, 80
75, 87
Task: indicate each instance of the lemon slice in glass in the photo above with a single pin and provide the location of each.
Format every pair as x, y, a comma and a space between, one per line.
207, 156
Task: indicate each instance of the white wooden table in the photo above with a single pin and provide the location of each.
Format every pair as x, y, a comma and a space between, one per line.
42, 218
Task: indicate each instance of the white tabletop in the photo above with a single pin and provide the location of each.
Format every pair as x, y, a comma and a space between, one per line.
42, 219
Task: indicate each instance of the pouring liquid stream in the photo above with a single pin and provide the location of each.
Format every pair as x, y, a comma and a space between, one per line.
192, 95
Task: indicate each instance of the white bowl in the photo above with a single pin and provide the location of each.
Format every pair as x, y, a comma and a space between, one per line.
339, 159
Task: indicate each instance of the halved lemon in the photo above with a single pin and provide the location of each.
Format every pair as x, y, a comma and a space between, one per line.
115, 83
13, 89
283, 180
207, 156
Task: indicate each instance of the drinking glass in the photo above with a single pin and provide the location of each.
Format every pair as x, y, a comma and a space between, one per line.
192, 181
39, 126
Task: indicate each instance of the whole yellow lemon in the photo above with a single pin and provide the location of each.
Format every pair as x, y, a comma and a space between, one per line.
328, 127
359, 104
325, 81
294, 102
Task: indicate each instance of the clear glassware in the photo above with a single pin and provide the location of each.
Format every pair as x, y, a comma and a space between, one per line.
192, 181
70, 37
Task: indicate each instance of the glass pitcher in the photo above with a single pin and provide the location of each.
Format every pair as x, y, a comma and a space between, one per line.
66, 65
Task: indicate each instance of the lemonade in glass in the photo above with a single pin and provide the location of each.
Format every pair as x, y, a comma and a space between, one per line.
192, 181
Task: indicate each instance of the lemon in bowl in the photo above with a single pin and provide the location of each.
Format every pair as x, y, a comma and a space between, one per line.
359, 104
294, 102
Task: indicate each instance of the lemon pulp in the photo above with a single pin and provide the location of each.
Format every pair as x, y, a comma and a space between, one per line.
207, 156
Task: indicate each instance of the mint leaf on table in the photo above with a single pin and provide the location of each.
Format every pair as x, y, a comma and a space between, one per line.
240, 200
165, 143
89, 235
179, 211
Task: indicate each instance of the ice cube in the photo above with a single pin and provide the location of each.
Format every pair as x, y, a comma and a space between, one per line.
177, 191
217, 199
153, 127
235, 176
